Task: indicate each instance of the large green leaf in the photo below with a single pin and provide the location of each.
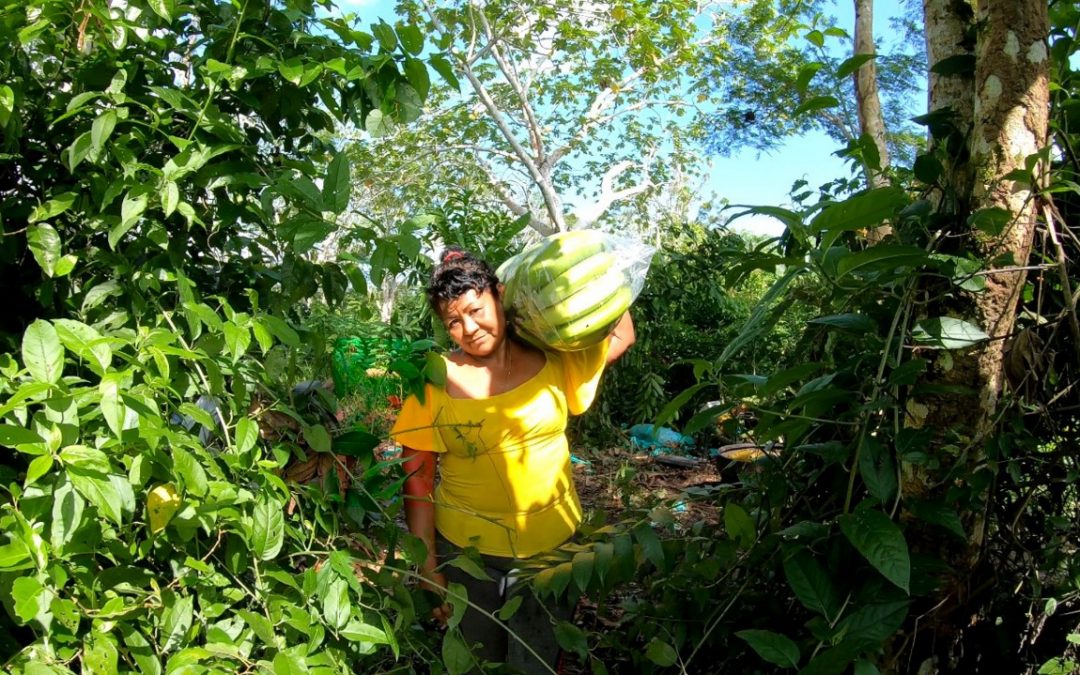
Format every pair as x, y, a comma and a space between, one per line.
862, 211
739, 525
883, 258
99, 491
811, 584
881, 542
661, 653
11, 436
773, 647
176, 619
42, 353
67, 514
946, 332
336, 607
86, 342
456, 656
44, 244
267, 528
337, 185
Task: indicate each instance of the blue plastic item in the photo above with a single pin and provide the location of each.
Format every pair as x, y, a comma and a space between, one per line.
659, 440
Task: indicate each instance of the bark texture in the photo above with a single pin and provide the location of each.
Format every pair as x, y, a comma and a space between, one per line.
867, 99
949, 28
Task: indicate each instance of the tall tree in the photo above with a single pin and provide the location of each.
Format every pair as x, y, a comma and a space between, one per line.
989, 102
867, 100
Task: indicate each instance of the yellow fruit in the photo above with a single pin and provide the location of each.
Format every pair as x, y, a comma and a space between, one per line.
162, 503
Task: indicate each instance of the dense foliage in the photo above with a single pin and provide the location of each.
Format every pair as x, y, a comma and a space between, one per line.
172, 502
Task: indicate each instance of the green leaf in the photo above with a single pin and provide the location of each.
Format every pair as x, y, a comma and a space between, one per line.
86, 342
357, 443
739, 525
11, 436
163, 8
386, 36
856, 323
991, 221
882, 258
417, 73
337, 185
773, 647
849, 66
358, 631
815, 103
42, 353
469, 566
189, 470
67, 513
79, 150
583, 564
807, 73
441, 66
289, 663
411, 37
237, 339
955, 65
377, 124
292, 70
650, 545
874, 624
99, 491
862, 211
101, 130
132, 208
15, 556
946, 332
336, 608
61, 203
176, 619
99, 654
940, 514
878, 469
571, 638
455, 654
87, 458
267, 528
170, 198
510, 607
112, 407
281, 330
7, 104
246, 435
317, 437
38, 468
29, 596
661, 653
811, 584
881, 542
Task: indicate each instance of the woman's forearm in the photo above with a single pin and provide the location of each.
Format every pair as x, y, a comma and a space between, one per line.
419, 507
621, 339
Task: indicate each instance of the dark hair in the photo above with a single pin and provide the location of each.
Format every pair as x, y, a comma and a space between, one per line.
457, 273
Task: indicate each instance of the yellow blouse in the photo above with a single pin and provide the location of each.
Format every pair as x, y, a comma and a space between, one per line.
505, 480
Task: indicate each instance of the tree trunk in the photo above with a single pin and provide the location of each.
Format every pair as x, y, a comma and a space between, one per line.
867, 99
1001, 111
948, 25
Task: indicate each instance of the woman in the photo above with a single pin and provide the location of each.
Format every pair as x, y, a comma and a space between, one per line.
497, 430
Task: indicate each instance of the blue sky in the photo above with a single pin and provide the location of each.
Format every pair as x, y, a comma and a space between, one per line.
748, 177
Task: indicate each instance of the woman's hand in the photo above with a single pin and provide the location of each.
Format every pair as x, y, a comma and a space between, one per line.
436, 583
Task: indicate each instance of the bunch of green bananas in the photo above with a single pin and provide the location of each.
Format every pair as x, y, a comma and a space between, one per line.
566, 292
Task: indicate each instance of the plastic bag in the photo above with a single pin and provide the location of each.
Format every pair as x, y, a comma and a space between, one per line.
569, 290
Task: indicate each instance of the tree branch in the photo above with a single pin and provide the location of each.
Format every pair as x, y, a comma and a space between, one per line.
547, 190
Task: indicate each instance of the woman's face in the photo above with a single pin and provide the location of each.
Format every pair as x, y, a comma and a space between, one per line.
475, 322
